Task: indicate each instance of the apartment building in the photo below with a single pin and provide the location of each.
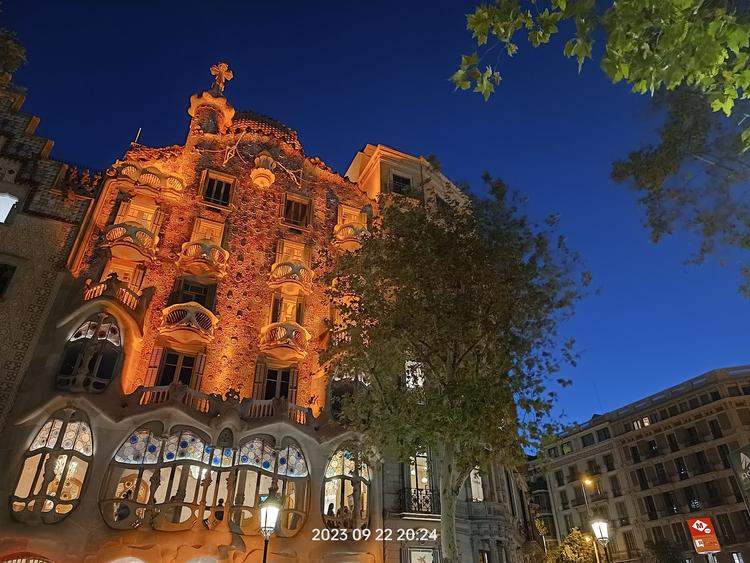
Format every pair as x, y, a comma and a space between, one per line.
649, 466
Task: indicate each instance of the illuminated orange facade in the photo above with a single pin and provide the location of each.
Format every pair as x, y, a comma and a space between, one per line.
178, 377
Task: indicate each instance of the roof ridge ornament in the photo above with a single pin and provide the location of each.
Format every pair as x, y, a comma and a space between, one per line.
222, 74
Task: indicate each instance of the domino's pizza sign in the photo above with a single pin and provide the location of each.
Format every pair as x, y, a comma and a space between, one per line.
704, 536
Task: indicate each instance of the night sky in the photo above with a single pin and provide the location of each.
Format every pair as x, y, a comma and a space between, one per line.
344, 74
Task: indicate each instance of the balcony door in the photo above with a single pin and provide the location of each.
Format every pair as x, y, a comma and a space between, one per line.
275, 383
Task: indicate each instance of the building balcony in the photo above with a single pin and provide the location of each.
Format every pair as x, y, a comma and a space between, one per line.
112, 289
203, 258
128, 241
291, 278
187, 325
420, 501
213, 404
285, 341
348, 236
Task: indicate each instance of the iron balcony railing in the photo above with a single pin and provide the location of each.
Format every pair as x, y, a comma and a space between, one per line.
423, 501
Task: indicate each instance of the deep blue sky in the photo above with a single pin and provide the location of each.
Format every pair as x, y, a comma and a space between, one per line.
346, 73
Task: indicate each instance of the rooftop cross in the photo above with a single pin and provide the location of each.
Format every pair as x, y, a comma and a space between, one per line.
222, 73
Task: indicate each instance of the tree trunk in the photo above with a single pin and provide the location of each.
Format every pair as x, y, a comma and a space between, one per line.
448, 500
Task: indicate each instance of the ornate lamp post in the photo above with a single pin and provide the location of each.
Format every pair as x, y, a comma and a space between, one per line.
269, 514
601, 532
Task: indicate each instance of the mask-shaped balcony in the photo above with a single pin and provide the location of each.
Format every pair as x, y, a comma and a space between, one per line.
113, 289
187, 325
285, 341
129, 241
203, 258
348, 236
291, 278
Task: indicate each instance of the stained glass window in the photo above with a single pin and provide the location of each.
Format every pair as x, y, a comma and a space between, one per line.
66, 441
346, 489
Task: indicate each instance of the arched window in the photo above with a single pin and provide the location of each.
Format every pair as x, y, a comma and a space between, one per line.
173, 482
259, 464
346, 490
54, 469
179, 478
7, 203
92, 357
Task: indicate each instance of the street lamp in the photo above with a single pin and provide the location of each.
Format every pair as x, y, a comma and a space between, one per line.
269, 513
601, 532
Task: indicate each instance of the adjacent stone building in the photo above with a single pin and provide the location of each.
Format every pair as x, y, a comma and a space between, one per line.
648, 467
42, 202
177, 375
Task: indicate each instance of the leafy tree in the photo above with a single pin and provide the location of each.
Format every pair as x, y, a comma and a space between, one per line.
692, 55
576, 547
449, 319
663, 552
650, 44
12, 53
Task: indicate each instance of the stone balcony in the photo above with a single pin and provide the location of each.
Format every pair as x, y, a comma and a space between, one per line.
187, 325
213, 405
113, 289
348, 236
129, 241
285, 341
203, 258
291, 278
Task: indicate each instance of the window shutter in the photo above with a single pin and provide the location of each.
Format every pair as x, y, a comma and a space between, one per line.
276, 309
138, 274
308, 254
153, 366
211, 297
260, 376
280, 250
293, 376
174, 297
158, 218
195, 380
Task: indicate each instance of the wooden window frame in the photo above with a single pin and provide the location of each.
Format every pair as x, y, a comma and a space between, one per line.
212, 174
301, 199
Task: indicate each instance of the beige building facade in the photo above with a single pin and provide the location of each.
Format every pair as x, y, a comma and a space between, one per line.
176, 376
650, 466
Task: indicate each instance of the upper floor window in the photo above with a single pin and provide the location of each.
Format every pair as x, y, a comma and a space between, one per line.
187, 290
351, 215
566, 448
54, 469
346, 490
287, 308
7, 203
206, 229
179, 368
587, 440
477, 489
553, 452
296, 210
400, 184
139, 210
277, 383
419, 471
6, 274
217, 189
92, 356
602, 434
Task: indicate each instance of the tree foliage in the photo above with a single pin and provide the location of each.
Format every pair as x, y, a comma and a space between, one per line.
663, 552
695, 177
12, 53
650, 44
450, 321
576, 547
692, 56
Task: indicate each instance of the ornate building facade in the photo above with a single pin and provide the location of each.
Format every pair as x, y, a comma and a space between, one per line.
176, 377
